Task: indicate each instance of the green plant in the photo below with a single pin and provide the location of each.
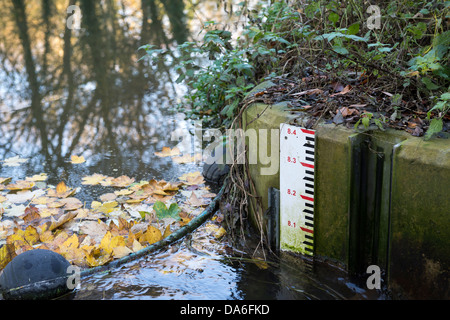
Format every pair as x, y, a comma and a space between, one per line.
442, 107
368, 118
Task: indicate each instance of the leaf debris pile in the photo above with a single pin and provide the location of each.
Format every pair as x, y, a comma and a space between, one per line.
35, 215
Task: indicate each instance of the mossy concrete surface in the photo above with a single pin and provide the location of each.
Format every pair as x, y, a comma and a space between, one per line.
406, 200
261, 116
420, 219
331, 193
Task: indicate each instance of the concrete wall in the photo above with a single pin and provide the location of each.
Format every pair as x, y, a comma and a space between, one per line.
380, 198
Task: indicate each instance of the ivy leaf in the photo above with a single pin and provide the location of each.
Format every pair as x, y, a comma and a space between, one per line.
163, 212
430, 85
436, 126
353, 29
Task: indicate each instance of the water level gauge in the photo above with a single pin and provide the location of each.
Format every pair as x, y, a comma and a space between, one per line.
297, 189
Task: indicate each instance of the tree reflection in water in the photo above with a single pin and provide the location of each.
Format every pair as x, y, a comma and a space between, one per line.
65, 91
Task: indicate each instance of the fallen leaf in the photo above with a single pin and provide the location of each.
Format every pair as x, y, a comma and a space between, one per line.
14, 161
93, 179
77, 160
7, 253
93, 229
71, 243
137, 246
220, 233
167, 152
24, 196
20, 185
48, 212
31, 214
108, 197
15, 211
61, 191
167, 231
152, 235
37, 177
107, 207
123, 192
187, 158
61, 220
98, 257
121, 251
71, 204
122, 181
195, 201
46, 237
192, 178
5, 181
347, 89
308, 92
61, 187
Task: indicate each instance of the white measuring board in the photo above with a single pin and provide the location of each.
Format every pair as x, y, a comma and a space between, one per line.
297, 189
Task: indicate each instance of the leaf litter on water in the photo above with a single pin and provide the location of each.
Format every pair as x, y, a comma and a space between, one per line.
93, 234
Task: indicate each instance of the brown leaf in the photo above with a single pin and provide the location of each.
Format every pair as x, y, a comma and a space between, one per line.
61, 220
71, 204
31, 214
167, 152
347, 89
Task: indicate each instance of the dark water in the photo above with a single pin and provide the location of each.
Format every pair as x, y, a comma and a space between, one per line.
84, 92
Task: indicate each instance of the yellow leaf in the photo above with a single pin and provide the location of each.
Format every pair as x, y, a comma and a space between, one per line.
31, 235
48, 212
167, 232
20, 185
121, 251
106, 241
38, 177
7, 253
261, 264
123, 192
109, 242
98, 257
76, 256
137, 246
93, 179
220, 233
152, 235
61, 187
59, 239
167, 152
62, 191
71, 243
46, 237
107, 207
76, 159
